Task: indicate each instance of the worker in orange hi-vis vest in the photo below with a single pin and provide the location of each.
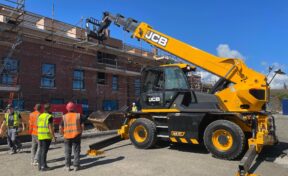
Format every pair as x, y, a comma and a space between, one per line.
72, 127
33, 130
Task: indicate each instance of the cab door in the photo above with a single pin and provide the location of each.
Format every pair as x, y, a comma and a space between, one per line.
152, 91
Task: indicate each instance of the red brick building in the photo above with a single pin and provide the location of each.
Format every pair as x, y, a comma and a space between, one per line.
52, 61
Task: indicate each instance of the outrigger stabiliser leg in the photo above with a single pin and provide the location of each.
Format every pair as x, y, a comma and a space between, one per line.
256, 143
247, 161
95, 148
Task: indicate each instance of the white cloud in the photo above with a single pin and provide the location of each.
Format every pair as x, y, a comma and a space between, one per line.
278, 81
223, 50
277, 66
208, 77
263, 63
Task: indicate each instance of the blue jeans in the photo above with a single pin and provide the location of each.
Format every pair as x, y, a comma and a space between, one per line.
75, 145
12, 139
44, 147
35, 149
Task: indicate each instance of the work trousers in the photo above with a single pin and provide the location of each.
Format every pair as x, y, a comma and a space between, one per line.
35, 149
44, 147
74, 144
12, 139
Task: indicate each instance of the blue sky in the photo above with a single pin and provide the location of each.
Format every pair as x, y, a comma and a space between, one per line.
255, 29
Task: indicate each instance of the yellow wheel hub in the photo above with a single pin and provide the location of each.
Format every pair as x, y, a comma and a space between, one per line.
140, 134
222, 140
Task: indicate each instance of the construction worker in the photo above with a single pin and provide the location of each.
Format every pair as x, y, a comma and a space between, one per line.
134, 107
72, 127
11, 121
45, 136
34, 134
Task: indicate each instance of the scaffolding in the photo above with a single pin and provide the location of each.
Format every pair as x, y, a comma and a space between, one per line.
17, 25
10, 76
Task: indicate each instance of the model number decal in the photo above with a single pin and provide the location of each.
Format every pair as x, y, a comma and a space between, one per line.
177, 133
156, 38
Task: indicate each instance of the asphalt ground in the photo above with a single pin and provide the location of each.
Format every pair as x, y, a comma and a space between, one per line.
164, 160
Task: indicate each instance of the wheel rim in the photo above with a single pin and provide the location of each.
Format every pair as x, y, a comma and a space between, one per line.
222, 140
140, 134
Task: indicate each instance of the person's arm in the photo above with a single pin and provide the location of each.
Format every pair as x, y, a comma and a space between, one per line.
29, 125
51, 128
61, 127
2, 126
22, 122
82, 120
82, 127
23, 126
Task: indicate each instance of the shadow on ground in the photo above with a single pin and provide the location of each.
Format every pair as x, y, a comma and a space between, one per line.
189, 148
270, 154
116, 147
91, 162
85, 161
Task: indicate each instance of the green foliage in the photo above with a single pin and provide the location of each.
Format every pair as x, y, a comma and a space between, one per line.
282, 95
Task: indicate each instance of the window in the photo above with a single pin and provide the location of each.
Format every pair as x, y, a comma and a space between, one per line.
85, 106
110, 105
101, 78
18, 104
151, 80
48, 75
9, 71
108, 59
11, 65
137, 85
57, 101
115, 85
7, 79
175, 79
78, 79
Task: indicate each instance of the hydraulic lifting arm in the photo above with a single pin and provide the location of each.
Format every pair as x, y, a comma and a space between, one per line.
249, 89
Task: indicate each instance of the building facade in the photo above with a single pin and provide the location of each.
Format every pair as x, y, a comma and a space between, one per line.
54, 63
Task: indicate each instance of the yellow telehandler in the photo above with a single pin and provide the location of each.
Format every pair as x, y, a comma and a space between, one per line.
231, 116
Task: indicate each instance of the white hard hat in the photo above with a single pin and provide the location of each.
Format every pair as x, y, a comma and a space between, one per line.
133, 103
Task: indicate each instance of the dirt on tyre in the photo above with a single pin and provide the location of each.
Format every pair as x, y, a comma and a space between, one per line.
224, 139
142, 133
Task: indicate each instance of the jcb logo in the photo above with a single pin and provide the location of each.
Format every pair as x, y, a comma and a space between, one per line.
156, 38
154, 99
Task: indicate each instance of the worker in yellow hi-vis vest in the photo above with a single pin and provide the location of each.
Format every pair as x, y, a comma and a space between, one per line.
134, 107
45, 136
12, 121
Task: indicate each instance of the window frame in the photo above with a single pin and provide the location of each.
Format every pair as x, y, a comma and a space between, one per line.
107, 59
137, 87
51, 77
115, 84
9, 74
98, 80
78, 79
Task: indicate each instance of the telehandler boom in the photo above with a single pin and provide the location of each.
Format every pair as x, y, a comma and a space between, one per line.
231, 116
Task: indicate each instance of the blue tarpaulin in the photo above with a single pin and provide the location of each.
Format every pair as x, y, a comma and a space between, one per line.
285, 106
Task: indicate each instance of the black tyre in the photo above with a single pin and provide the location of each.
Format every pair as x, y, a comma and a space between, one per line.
142, 133
224, 139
